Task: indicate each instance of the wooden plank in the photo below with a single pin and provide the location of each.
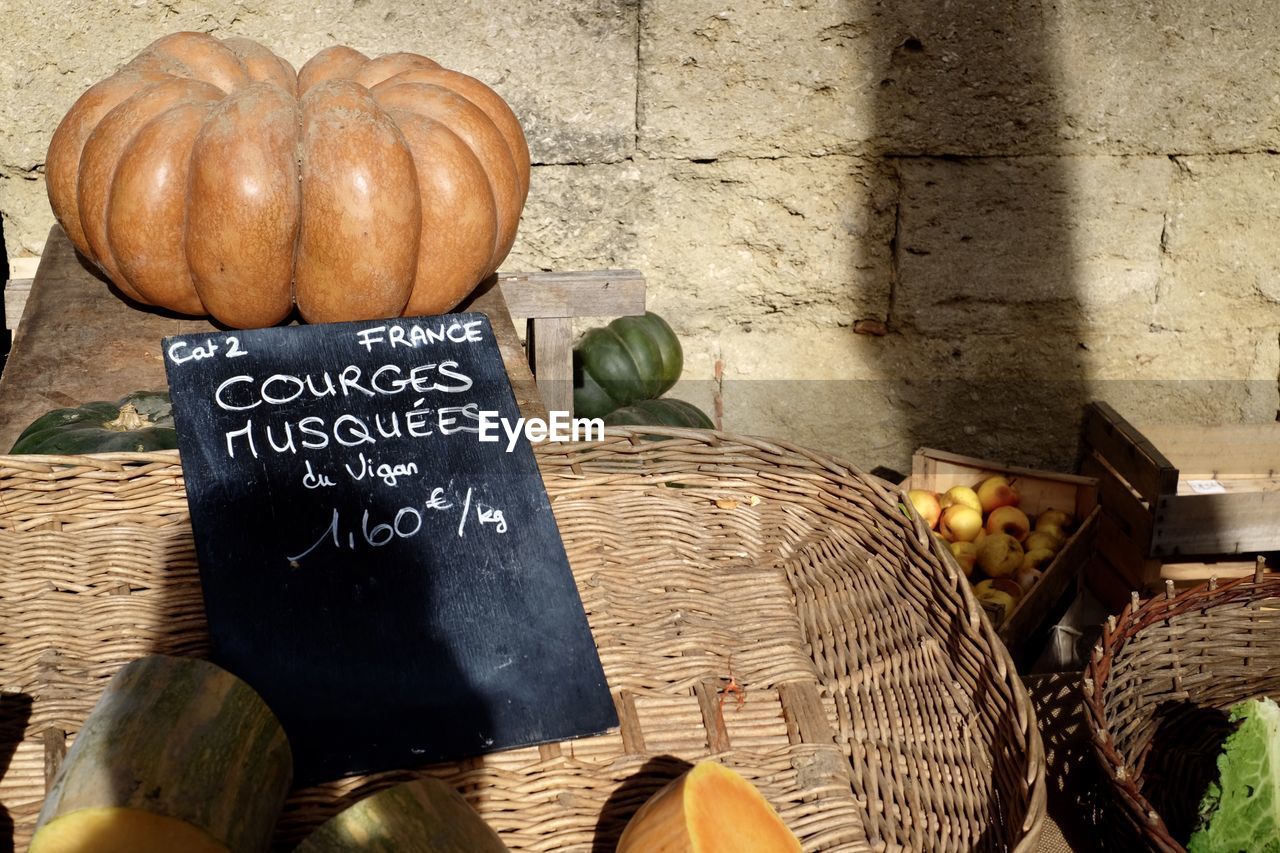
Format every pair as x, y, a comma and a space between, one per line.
1193, 485
596, 293
1219, 451
1198, 571
550, 343
1131, 514
1129, 452
946, 464
804, 713
1138, 569
1039, 490
488, 300
81, 341
1233, 523
16, 292
1106, 582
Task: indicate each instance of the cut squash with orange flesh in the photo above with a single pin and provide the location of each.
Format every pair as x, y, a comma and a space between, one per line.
422, 816
178, 756
710, 809
117, 830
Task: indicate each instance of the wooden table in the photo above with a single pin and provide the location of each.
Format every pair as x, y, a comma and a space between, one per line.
81, 340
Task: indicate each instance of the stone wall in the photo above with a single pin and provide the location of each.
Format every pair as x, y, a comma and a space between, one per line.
876, 225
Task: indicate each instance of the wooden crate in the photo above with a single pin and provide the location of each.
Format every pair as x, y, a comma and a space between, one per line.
1181, 502
1039, 490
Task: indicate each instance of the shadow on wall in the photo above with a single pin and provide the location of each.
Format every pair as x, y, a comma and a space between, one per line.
984, 305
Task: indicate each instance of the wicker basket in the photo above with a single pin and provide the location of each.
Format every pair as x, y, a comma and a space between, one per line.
879, 710
1157, 688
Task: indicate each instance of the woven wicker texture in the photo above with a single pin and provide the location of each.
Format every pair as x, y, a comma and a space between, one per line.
1157, 688
876, 708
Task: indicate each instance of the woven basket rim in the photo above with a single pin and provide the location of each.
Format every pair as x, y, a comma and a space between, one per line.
1117, 632
559, 459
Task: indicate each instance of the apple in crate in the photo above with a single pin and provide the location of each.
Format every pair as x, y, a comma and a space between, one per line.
1054, 522
960, 523
966, 554
999, 555
1043, 540
1000, 591
996, 492
1010, 520
926, 504
960, 495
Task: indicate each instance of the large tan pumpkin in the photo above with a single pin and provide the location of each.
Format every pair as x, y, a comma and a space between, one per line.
206, 177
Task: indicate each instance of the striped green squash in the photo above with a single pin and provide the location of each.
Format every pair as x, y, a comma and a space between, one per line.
422, 816
177, 755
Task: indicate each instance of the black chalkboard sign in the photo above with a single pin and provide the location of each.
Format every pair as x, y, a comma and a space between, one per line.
394, 587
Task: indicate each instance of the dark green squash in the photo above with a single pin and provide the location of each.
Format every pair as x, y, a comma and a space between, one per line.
139, 422
665, 412
631, 359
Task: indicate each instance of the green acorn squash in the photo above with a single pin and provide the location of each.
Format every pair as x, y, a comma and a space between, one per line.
665, 412
631, 359
139, 422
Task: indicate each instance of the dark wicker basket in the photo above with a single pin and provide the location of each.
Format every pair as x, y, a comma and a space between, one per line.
1157, 689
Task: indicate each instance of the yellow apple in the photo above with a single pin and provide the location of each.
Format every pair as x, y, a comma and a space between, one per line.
996, 492
926, 504
1037, 559
960, 523
960, 495
1010, 520
1042, 540
966, 554
999, 555
987, 592
1053, 518
982, 534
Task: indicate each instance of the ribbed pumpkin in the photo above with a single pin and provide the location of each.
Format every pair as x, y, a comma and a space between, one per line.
206, 177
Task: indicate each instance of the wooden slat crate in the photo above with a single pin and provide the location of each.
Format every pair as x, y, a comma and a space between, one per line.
1039, 490
1181, 502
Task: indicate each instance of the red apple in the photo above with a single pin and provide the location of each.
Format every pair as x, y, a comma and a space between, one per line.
1010, 520
996, 492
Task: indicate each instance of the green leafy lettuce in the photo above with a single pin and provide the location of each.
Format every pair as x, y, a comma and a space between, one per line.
1240, 813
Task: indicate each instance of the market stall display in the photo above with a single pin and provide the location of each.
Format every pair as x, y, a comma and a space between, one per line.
1034, 512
